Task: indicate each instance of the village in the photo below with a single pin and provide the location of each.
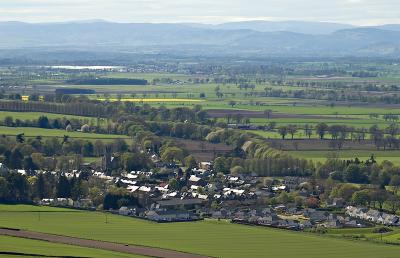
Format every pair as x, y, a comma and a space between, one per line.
199, 193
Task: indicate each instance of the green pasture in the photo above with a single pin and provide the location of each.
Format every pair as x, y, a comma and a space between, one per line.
36, 115
29, 247
33, 132
209, 237
368, 234
329, 120
390, 155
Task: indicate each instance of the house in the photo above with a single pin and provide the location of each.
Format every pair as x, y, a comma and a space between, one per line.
268, 220
46, 201
125, 211
291, 224
306, 224
83, 203
145, 189
280, 208
233, 179
132, 188
194, 180
3, 169
315, 215
221, 214
373, 216
62, 202
337, 203
356, 212
205, 165
239, 215
352, 224
230, 191
279, 188
266, 211
389, 219
335, 223
170, 216
177, 203
128, 182
22, 171
292, 211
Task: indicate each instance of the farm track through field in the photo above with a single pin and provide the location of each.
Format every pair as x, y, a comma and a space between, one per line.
131, 249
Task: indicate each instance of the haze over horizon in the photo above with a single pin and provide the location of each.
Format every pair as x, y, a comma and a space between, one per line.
355, 12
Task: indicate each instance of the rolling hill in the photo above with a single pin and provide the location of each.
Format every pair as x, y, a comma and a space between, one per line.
246, 38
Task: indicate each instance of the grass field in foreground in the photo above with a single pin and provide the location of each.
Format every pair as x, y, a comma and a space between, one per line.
210, 237
42, 248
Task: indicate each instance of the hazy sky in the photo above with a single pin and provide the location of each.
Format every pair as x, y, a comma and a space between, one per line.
361, 12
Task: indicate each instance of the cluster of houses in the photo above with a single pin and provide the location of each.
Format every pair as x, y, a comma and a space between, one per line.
288, 218
203, 194
172, 210
237, 196
373, 216
68, 202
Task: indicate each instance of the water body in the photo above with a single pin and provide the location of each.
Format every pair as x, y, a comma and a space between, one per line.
77, 67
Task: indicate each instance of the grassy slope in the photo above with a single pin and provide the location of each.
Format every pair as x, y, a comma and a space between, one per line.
28, 246
213, 238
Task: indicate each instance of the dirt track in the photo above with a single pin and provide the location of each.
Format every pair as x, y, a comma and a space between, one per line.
131, 249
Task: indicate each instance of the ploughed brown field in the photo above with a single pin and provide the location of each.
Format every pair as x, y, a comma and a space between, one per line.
202, 150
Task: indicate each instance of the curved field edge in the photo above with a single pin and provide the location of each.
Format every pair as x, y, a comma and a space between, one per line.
35, 247
209, 237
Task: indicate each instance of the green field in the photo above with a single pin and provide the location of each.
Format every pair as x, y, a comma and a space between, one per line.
296, 111
393, 156
367, 234
230, 91
355, 121
36, 115
42, 248
33, 132
209, 237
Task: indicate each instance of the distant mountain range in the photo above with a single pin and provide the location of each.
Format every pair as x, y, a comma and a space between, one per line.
293, 38
313, 28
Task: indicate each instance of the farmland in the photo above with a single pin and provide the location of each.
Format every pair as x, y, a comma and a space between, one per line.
33, 132
25, 247
209, 237
392, 156
227, 102
366, 234
145, 100
36, 115
187, 140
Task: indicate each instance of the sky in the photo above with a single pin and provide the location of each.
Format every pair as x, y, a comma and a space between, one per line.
356, 12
